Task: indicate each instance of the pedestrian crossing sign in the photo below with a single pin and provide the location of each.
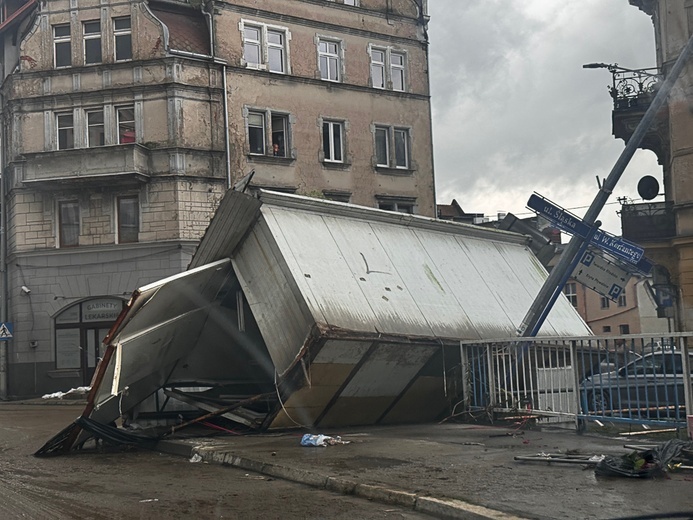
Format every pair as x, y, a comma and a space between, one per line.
5, 331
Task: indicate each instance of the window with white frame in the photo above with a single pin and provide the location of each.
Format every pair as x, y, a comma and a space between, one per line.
392, 147
265, 47
68, 223
92, 42
388, 68
333, 141
122, 34
128, 211
329, 60
268, 133
126, 124
95, 128
570, 291
400, 205
355, 3
62, 45
65, 124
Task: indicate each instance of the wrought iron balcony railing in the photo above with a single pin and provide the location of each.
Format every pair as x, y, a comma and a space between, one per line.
648, 221
630, 88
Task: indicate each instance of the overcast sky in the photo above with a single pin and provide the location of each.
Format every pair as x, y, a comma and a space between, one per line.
514, 112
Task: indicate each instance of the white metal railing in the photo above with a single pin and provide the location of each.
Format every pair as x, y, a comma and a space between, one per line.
643, 378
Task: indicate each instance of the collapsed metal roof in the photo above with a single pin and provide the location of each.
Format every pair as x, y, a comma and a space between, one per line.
336, 314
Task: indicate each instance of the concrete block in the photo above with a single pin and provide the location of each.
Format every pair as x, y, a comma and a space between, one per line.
339, 485
296, 475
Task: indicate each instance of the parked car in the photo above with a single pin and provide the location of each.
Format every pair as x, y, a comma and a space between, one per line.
651, 386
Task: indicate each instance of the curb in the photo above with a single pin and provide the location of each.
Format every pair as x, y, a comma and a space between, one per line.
441, 508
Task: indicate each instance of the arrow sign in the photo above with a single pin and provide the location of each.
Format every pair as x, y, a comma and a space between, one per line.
573, 225
602, 276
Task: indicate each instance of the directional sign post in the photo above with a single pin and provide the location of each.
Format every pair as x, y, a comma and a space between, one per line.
569, 223
602, 276
542, 303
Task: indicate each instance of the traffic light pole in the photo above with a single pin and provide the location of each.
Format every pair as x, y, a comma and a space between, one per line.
542, 304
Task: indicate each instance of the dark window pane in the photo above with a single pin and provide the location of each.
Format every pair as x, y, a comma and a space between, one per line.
128, 219
337, 136
121, 24
279, 141
92, 50
123, 44
256, 133
61, 31
63, 54
381, 147
401, 160
326, 141
69, 224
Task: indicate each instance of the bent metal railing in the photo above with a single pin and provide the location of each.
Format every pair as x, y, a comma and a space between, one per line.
641, 378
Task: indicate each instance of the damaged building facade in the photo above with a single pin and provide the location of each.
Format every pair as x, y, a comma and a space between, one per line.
123, 123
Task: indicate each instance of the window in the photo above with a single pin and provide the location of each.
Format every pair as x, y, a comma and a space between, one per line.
570, 291
604, 302
95, 128
68, 223
62, 46
128, 219
92, 42
400, 206
329, 60
351, 2
378, 68
278, 131
122, 32
384, 145
622, 300
256, 133
66, 130
337, 196
397, 71
624, 329
265, 47
606, 328
388, 68
332, 141
126, 125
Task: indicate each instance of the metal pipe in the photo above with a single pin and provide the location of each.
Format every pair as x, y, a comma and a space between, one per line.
4, 354
541, 302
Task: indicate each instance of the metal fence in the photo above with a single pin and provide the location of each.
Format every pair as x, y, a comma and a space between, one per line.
643, 379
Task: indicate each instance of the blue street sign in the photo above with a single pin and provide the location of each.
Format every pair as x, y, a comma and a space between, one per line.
569, 223
5, 331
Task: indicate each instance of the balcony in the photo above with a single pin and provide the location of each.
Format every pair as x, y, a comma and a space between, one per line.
648, 222
632, 91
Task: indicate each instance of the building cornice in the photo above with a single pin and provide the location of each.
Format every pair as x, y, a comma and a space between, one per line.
286, 18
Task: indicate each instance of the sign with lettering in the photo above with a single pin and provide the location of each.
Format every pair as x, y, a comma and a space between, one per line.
102, 309
602, 276
569, 223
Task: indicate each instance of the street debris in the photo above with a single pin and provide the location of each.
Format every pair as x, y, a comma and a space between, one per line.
196, 458
565, 458
321, 440
73, 393
669, 456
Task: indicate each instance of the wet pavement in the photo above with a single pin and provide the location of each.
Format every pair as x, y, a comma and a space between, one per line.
147, 485
460, 471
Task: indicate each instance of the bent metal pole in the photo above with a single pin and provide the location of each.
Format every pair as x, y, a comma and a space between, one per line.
538, 310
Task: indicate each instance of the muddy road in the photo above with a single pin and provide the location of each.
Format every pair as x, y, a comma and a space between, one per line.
145, 485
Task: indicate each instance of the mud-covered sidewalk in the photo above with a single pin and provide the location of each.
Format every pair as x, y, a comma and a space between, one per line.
458, 471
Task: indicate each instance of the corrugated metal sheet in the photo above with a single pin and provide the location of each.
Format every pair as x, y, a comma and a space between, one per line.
375, 276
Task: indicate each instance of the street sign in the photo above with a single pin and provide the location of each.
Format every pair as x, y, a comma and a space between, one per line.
602, 276
569, 223
5, 331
